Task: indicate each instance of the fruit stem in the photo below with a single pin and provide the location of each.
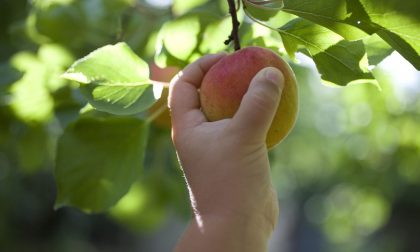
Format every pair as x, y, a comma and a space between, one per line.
234, 36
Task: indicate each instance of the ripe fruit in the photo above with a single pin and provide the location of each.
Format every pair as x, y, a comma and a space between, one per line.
228, 80
165, 75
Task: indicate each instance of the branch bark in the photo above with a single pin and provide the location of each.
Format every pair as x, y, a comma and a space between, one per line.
234, 36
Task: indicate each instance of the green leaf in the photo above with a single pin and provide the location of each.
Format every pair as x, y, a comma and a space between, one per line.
300, 33
145, 206
114, 80
184, 39
59, 21
339, 61
33, 146
214, 35
8, 75
48, 3
178, 39
55, 56
395, 22
30, 98
377, 49
257, 35
344, 63
266, 5
163, 58
98, 159
181, 7
180, 36
398, 23
76, 24
263, 10
118, 5
328, 13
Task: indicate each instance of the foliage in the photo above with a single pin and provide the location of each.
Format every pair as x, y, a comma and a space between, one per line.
86, 120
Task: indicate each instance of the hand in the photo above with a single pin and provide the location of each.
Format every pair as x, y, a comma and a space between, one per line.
225, 162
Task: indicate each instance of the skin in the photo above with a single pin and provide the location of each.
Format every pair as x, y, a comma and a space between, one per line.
228, 80
225, 163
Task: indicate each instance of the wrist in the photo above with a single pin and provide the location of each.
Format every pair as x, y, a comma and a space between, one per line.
261, 215
225, 234
244, 227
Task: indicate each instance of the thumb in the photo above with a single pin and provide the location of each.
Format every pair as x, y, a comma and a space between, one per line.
259, 104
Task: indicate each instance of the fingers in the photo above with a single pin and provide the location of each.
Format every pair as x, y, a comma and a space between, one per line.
259, 104
184, 99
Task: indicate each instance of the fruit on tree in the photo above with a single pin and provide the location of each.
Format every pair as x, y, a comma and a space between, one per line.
164, 75
228, 80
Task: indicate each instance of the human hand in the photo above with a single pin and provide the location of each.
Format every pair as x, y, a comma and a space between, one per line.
225, 162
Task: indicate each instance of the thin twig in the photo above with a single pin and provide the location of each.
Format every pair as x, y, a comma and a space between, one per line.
234, 36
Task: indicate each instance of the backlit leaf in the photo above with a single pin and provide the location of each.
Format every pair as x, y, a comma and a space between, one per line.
395, 22
377, 49
114, 80
338, 61
97, 161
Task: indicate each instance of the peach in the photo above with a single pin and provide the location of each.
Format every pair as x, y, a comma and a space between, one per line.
228, 80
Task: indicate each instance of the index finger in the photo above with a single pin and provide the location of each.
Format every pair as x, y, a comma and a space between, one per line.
184, 101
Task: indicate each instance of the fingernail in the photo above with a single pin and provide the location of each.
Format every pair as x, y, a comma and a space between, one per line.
274, 76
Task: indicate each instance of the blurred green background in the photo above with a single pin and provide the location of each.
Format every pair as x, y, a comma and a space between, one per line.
348, 176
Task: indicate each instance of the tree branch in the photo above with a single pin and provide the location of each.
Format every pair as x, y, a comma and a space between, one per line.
234, 36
